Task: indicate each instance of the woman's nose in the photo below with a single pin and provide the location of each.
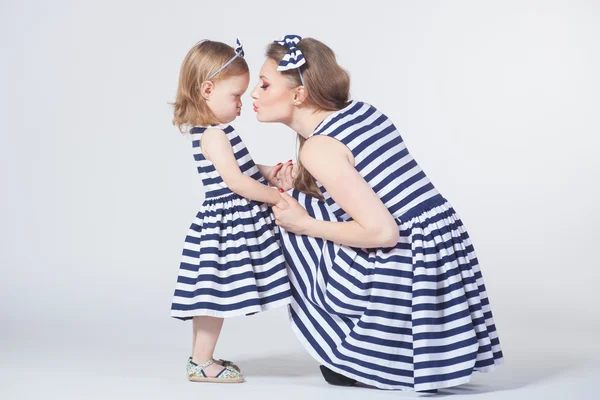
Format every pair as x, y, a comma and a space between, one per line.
254, 94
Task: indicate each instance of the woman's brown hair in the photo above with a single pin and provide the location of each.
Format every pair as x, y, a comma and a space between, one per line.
327, 86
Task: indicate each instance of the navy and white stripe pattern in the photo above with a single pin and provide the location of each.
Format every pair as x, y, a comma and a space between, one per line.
232, 263
294, 57
239, 49
415, 316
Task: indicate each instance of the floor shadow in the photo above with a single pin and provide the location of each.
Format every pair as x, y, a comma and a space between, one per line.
515, 374
288, 365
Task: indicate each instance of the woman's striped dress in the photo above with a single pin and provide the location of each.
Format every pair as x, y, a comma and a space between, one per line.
415, 316
232, 262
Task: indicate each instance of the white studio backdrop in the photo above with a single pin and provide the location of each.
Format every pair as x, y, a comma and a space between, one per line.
498, 102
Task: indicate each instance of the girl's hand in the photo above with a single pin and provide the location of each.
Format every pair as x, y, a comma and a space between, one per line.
286, 175
290, 215
270, 173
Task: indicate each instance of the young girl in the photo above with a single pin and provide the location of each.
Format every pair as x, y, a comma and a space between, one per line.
232, 262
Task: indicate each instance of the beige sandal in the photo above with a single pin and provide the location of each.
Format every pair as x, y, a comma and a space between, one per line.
224, 363
227, 363
195, 373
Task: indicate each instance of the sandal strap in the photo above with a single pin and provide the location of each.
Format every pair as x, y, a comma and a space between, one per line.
205, 364
200, 366
229, 373
219, 374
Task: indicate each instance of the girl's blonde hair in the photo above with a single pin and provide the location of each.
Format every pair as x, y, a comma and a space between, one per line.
204, 59
327, 87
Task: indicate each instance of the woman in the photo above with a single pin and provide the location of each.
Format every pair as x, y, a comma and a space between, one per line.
387, 288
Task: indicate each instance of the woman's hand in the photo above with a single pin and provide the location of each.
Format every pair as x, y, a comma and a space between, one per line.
290, 215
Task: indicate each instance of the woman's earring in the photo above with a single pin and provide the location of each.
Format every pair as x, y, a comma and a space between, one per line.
295, 103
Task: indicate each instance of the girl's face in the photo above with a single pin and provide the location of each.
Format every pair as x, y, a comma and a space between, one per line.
225, 100
273, 96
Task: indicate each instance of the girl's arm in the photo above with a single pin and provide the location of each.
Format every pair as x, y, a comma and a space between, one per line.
332, 164
217, 149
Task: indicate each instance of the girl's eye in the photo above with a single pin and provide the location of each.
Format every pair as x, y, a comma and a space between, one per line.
264, 86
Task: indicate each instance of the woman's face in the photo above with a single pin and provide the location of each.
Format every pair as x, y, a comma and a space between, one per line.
273, 96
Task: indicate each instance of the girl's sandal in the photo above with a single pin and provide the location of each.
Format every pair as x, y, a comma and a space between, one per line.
224, 363
195, 373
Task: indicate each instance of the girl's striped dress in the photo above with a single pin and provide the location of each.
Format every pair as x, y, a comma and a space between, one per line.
232, 263
415, 316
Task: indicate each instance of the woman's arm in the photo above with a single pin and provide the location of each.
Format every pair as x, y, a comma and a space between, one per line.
332, 164
217, 149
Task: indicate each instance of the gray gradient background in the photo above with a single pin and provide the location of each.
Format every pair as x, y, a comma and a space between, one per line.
498, 101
